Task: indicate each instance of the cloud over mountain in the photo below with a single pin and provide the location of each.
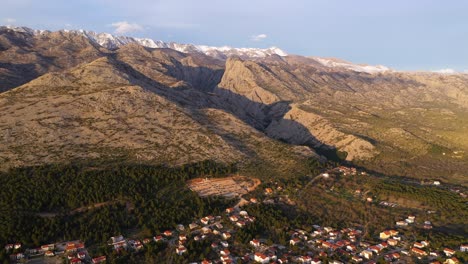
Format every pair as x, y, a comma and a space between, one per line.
124, 27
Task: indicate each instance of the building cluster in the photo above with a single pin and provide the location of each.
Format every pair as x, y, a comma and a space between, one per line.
74, 252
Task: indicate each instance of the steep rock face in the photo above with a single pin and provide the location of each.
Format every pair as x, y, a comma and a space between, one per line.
267, 108
305, 128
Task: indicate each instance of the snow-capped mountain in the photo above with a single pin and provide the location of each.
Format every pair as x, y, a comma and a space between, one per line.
110, 41
113, 42
336, 63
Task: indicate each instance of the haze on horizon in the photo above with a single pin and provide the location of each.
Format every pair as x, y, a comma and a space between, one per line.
404, 35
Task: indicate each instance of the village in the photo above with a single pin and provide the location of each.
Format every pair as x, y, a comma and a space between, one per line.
323, 245
320, 244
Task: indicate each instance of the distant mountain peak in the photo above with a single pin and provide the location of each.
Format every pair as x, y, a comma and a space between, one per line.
111, 41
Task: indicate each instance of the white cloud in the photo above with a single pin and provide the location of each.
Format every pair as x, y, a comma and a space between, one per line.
124, 27
10, 21
446, 71
258, 37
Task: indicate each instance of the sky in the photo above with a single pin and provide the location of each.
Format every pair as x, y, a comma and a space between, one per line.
401, 34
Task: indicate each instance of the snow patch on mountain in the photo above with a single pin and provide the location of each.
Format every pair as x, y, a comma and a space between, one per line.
335, 63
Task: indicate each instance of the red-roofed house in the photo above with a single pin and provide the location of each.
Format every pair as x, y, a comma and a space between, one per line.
259, 257
418, 252
99, 259
255, 243
449, 252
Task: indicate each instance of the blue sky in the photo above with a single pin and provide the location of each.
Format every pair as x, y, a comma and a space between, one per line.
405, 35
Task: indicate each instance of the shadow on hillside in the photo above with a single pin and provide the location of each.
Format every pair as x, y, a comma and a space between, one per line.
18, 74
256, 114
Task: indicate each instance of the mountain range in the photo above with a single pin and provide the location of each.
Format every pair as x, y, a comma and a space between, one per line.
78, 95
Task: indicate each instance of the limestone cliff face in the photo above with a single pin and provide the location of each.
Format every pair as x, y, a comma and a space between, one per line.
305, 128
241, 87
241, 78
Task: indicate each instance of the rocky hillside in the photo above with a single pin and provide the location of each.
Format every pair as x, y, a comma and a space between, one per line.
66, 96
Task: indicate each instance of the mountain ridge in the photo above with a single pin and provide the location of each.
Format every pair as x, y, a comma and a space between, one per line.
273, 109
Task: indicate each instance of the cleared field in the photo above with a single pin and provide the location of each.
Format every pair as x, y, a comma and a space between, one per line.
229, 187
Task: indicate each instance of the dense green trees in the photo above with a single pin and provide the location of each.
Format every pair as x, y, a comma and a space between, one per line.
158, 195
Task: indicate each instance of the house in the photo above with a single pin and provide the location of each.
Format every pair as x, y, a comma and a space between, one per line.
253, 200
326, 245
382, 245
464, 248
356, 259
49, 253
294, 241
117, 239
410, 219
158, 238
81, 255
146, 241
224, 244
268, 191
48, 247
206, 230
434, 254
401, 223
240, 224
449, 252
168, 233
137, 245
193, 226
181, 250
206, 262
226, 235
224, 252
418, 252
99, 259
375, 249
118, 246
226, 259
436, 183
392, 242
336, 262
205, 220
304, 259
364, 244
259, 257
418, 245
385, 235
71, 247
254, 243
452, 261
214, 245
233, 218
17, 245
316, 261
229, 210
425, 243
182, 237
366, 254
351, 248
243, 213
76, 261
